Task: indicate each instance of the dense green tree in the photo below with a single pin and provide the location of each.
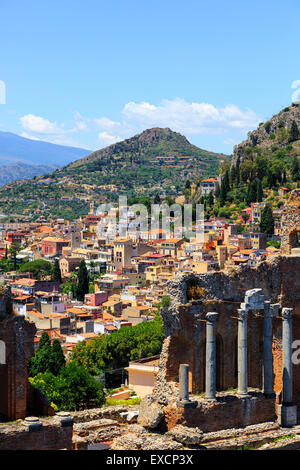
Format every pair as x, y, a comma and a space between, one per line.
83, 281
210, 199
267, 220
41, 361
251, 192
238, 164
14, 250
57, 358
245, 216
260, 166
72, 389
157, 199
56, 273
246, 171
294, 132
117, 349
267, 126
259, 191
225, 188
295, 169
39, 268
47, 358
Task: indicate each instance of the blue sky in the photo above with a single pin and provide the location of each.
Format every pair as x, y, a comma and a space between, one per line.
89, 73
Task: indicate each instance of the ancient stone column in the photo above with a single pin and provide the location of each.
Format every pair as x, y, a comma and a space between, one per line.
287, 411
210, 378
287, 382
184, 398
242, 354
184, 382
268, 355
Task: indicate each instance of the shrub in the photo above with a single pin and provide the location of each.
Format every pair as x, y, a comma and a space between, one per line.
71, 390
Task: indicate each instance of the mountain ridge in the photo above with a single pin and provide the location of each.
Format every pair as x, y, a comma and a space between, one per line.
15, 148
155, 161
139, 142
270, 134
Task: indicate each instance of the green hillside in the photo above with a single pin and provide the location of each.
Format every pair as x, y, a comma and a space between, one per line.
155, 161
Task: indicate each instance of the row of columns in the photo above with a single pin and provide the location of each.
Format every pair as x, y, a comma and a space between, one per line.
253, 301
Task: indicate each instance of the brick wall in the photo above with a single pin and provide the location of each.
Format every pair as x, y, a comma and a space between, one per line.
229, 412
52, 436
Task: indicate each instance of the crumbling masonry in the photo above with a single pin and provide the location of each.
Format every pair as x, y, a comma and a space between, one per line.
230, 341
235, 331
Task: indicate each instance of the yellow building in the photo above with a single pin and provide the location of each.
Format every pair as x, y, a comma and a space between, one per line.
122, 252
142, 375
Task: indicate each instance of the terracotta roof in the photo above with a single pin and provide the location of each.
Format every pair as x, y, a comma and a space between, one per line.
110, 327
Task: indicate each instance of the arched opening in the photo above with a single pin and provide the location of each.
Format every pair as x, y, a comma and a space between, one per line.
294, 241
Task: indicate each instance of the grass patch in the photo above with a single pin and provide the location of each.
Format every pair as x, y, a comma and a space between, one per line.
130, 401
286, 436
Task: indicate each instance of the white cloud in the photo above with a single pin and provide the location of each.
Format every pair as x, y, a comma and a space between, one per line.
107, 139
190, 118
39, 128
37, 124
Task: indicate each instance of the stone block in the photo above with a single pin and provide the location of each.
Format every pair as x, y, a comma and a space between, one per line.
32, 424
287, 415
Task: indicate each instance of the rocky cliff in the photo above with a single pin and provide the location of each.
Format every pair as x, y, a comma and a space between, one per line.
275, 131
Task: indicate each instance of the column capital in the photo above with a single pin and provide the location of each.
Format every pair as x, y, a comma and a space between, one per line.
271, 310
286, 313
211, 316
253, 292
275, 309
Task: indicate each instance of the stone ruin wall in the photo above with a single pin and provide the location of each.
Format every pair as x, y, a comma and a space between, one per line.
290, 222
17, 396
184, 322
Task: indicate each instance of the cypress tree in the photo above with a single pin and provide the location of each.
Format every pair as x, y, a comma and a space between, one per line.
41, 362
238, 163
83, 281
233, 174
57, 360
44, 342
295, 169
259, 191
226, 181
225, 187
294, 132
157, 199
210, 199
267, 220
56, 274
222, 195
251, 192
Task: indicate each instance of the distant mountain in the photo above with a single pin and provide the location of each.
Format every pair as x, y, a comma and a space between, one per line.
151, 143
157, 161
14, 148
22, 171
